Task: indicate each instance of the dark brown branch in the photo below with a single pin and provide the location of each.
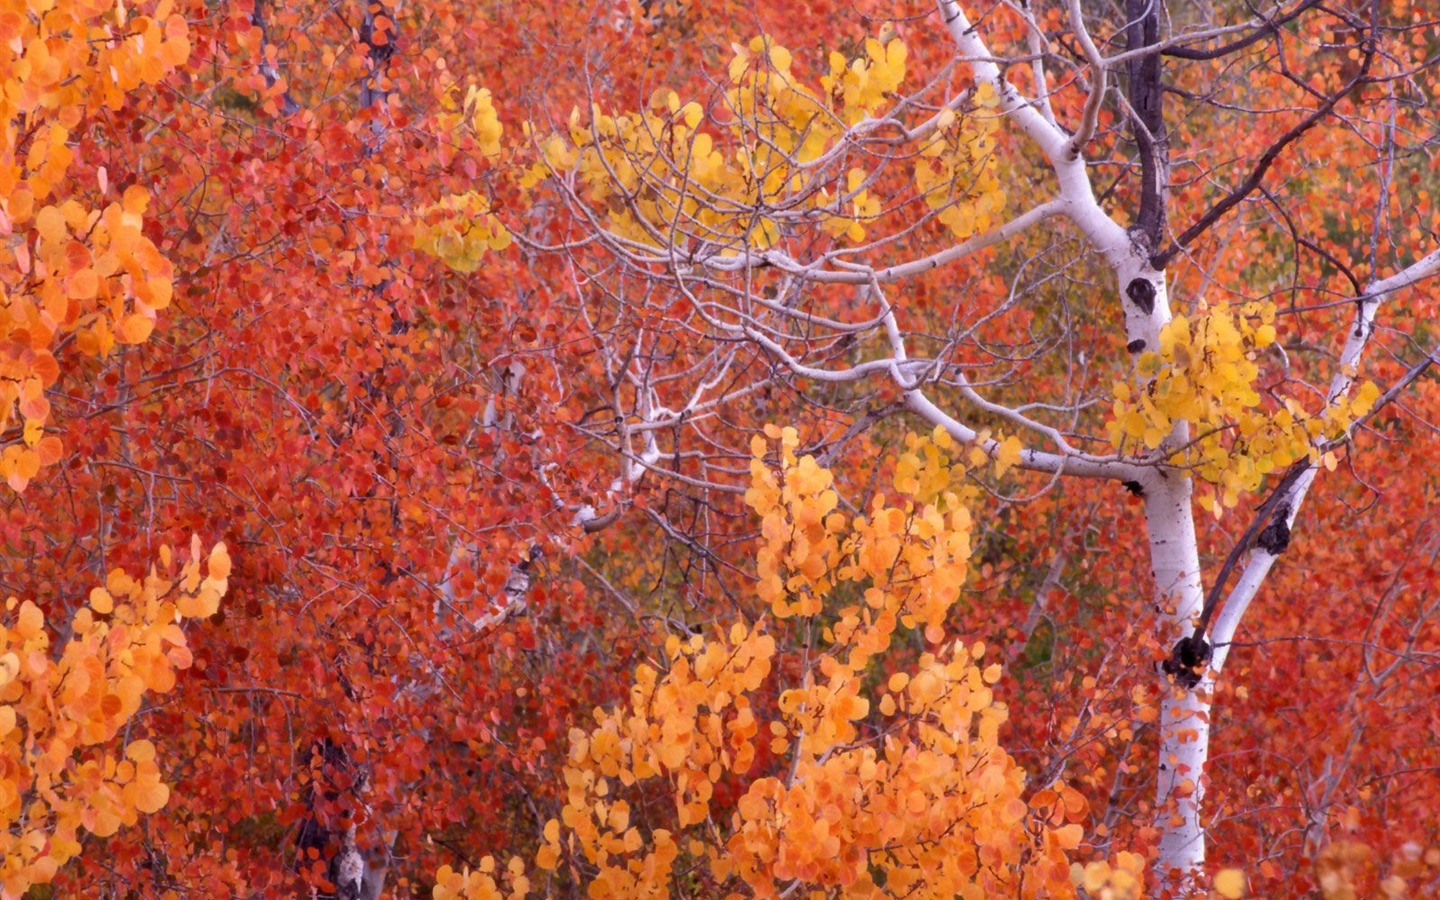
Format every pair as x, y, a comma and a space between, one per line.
1146, 95
1302, 241
1257, 174
1268, 28
1262, 521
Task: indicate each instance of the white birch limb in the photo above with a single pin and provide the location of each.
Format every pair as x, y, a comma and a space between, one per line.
1169, 519
1261, 559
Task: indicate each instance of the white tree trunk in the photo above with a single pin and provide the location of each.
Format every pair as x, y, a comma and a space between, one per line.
1179, 597
1170, 525
1184, 714
1144, 310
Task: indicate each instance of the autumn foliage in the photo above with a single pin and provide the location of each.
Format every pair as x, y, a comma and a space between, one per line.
62, 708
919, 799
459, 327
74, 267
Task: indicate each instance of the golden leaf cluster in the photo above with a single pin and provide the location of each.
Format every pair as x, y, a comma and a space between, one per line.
765, 158
1119, 879
473, 117
958, 159
892, 788
61, 711
1205, 373
484, 883
459, 230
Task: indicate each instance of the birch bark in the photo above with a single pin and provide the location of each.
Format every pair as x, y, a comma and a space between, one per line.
1170, 529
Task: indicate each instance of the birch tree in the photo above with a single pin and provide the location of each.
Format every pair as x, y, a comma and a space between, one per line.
818, 234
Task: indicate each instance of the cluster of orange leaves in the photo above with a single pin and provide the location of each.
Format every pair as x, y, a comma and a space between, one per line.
58, 713
77, 270
919, 800
67, 268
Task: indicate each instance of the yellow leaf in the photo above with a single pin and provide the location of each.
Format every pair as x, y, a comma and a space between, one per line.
1007, 454
1230, 884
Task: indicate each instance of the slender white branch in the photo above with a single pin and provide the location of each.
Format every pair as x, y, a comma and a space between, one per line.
1032, 460
1091, 114
1075, 190
1261, 559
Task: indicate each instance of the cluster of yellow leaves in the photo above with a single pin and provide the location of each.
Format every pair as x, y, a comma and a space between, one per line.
458, 230
862, 207
484, 883
67, 268
1122, 878
929, 473
474, 116
857, 87
909, 560
57, 715
911, 795
484, 121
934, 808
691, 725
800, 531
958, 159
1205, 373
765, 159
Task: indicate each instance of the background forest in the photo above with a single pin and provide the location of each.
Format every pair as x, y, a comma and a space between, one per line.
639, 449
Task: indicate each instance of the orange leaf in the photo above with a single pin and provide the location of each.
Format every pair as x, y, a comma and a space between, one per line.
220, 561
147, 798
50, 224
49, 450
135, 328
